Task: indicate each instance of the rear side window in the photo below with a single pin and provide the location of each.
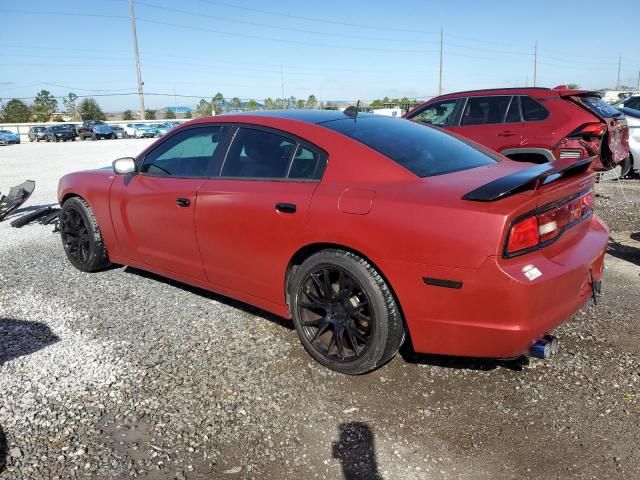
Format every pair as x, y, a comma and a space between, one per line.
423, 150
532, 111
485, 110
439, 113
633, 103
513, 114
599, 107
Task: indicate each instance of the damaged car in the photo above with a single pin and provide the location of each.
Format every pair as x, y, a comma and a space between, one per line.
536, 125
365, 230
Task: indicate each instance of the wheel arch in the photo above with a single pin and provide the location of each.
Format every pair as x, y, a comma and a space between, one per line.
306, 251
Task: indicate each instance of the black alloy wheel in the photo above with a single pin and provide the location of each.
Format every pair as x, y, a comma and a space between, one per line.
344, 312
81, 236
335, 313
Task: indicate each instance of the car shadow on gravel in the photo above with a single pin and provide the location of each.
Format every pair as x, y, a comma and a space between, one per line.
3, 450
461, 363
214, 296
356, 452
625, 252
22, 337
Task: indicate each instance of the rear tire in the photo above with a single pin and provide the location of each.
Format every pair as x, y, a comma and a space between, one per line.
81, 237
345, 314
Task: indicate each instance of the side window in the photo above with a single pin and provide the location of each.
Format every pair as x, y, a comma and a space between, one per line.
513, 114
633, 103
188, 153
532, 111
307, 164
485, 110
440, 113
258, 154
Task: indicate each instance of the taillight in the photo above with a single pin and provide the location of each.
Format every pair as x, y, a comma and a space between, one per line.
545, 227
589, 130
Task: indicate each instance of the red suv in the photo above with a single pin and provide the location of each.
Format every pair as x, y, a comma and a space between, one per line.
534, 124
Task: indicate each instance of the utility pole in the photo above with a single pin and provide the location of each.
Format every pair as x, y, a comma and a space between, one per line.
282, 81
441, 55
619, 68
135, 51
535, 64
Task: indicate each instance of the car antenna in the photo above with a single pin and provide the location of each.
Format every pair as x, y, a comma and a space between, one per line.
352, 111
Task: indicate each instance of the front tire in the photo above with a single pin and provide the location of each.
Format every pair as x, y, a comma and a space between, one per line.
344, 312
81, 237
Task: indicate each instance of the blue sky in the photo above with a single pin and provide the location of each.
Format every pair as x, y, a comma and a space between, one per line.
337, 50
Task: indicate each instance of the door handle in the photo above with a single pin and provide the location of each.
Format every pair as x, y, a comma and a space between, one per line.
506, 134
286, 207
183, 202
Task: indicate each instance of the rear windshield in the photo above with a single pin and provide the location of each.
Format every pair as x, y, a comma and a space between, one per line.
421, 149
599, 107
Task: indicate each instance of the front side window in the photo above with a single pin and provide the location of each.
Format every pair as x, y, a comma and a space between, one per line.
258, 154
532, 111
485, 110
423, 150
439, 113
633, 103
188, 153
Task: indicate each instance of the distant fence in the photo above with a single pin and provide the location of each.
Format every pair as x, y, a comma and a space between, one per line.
22, 129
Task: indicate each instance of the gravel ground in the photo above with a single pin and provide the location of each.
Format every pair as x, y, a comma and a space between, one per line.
123, 374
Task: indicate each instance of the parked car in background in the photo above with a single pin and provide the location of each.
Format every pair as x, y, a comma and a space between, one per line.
118, 131
161, 128
95, 130
629, 102
139, 130
7, 137
36, 134
364, 229
59, 133
633, 121
533, 124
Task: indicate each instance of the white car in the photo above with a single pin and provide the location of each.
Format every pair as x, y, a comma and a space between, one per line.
139, 130
633, 121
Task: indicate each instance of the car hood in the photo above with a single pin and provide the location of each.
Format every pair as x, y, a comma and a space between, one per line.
102, 128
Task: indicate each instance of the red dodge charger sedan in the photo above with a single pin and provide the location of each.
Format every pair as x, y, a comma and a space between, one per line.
363, 229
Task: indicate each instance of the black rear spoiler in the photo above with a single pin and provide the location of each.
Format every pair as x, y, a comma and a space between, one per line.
528, 179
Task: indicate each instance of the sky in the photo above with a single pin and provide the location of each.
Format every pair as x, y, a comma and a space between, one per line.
336, 50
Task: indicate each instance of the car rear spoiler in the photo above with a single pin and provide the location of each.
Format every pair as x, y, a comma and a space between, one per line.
528, 179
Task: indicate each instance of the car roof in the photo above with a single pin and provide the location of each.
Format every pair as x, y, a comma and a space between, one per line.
303, 115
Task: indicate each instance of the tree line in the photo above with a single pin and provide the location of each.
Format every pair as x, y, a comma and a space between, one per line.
45, 106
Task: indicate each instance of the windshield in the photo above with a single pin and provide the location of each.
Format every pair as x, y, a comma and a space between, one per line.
423, 150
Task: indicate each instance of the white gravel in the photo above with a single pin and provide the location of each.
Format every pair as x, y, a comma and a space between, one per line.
122, 374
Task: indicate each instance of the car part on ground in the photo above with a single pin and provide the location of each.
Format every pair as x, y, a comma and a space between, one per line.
533, 124
329, 236
33, 216
17, 196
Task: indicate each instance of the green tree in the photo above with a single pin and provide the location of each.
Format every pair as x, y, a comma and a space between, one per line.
15, 111
169, 114
88, 109
252, 105
377, 103
127, 115
235, 103
44, 105
203, 109
573, 86
269, 104
300, 103
70, 107
149, 114
311, 102
217, 103
188, 114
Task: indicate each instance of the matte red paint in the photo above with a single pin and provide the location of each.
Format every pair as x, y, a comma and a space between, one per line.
233, 241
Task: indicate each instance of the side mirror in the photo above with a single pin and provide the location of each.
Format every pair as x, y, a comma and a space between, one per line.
124, 166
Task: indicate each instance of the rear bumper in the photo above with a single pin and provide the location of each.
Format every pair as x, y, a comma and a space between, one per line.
498, 312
